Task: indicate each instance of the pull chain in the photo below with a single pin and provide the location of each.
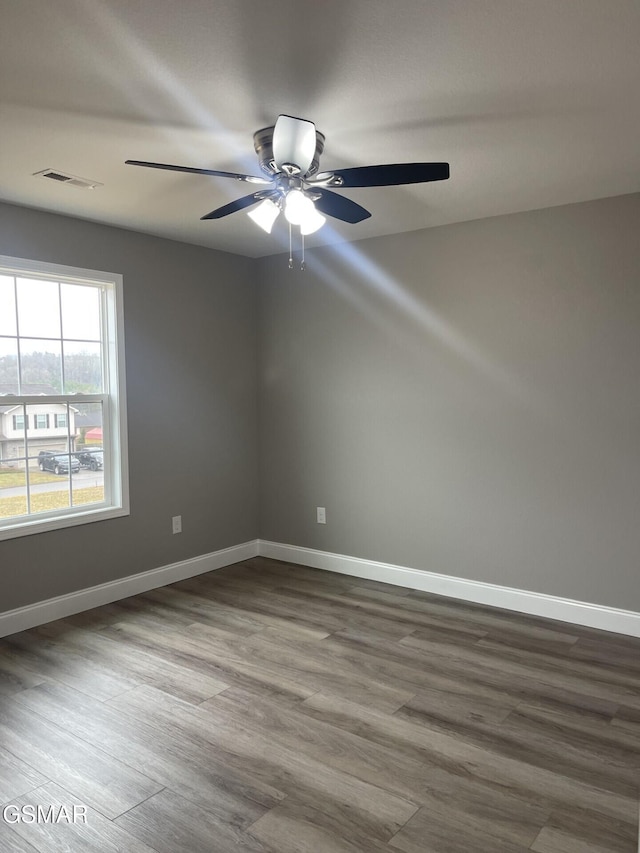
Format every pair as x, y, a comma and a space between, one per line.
303, 265
290, 249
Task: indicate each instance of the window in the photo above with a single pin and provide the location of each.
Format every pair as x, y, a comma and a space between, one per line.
62, 374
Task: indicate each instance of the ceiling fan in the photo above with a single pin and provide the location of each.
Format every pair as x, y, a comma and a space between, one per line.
289, 156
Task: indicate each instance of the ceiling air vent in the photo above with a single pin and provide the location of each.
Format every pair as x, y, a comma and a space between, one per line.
66, 178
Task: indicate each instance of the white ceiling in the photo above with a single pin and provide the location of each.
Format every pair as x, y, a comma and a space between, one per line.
534, 103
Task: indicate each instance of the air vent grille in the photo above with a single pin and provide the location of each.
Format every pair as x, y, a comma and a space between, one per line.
56, 176
66, 178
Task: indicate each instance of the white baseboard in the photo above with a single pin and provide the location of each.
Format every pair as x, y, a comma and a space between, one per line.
94, 596
522, 601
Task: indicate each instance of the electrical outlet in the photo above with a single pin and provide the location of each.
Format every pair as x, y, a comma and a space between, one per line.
176, 524
321, 515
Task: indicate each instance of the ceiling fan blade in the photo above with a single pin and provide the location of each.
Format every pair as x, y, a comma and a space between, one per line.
294, 143
252, 179
340, 207
390, 175
233, 206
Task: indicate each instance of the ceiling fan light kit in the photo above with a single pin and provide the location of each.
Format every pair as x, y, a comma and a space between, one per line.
289, 156
265, 214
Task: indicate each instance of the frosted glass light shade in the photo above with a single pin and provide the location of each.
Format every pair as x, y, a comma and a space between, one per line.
297, 206
312, 222
265, 214
294, 142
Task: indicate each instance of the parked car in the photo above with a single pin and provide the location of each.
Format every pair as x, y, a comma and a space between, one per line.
57, 462
93, 459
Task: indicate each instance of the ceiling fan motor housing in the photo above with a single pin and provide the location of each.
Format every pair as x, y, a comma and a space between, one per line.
263, 143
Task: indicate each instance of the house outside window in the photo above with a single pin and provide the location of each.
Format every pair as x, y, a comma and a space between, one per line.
61, 378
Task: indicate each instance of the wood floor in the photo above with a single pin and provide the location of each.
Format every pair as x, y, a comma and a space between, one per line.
270, 707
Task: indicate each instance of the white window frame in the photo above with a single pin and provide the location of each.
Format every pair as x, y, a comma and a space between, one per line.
114, 400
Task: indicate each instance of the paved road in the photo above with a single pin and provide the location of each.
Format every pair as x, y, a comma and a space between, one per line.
84, 479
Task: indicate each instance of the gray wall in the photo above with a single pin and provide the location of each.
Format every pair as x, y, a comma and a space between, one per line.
190, 334
463, 400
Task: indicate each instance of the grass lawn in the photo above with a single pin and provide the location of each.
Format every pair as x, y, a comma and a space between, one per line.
45, 501
15, 477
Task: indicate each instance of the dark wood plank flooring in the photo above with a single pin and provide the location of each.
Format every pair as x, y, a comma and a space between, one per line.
278, 709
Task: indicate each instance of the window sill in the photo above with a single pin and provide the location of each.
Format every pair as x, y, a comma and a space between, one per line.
33, 525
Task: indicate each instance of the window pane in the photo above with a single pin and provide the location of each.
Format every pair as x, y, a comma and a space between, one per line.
80, 312
38, 308
42, 433
7, 306
48, 490
49, 458
40, 363
11, 440
88, 484
8, 366
82, 368
13, 488
86, 422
